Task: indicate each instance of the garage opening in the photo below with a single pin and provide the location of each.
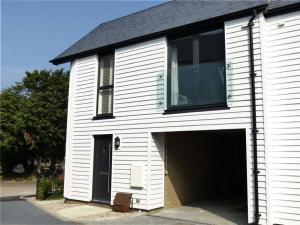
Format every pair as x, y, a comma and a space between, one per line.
207, 169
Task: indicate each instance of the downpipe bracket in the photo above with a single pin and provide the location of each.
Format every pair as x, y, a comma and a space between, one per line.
255, 131
256, 172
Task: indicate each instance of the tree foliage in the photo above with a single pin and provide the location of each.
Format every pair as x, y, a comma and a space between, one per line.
33, 118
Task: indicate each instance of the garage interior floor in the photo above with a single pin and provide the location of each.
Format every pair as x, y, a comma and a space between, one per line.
206, 178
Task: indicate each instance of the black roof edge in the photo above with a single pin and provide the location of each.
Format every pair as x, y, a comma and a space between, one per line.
281, 10
57, 61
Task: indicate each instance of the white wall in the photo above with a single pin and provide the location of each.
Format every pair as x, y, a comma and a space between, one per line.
139, 91
79, 144
282, 113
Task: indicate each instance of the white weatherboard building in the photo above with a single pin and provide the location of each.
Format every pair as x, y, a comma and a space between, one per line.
189, 101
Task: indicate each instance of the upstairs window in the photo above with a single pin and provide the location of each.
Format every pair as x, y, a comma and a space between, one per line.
105, 86
196, 75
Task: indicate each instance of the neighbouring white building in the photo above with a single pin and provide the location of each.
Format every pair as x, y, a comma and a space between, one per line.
189, 101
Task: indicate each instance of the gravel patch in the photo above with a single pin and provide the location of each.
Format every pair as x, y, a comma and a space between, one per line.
107, 215
56, 207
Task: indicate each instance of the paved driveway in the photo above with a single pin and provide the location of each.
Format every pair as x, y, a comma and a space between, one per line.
209, 212
19, 211
145, 220
17, 188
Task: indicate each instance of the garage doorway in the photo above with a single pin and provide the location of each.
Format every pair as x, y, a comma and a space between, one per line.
207, 169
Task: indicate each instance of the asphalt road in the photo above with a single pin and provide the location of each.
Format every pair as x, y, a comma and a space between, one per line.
18, 211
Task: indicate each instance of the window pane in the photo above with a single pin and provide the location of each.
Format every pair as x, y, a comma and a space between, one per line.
198, 70
183, 50
105, 101
211, 67
211, 83
211, 46
106, 70
181, 70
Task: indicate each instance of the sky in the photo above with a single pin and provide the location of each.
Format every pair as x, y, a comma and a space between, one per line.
33, 32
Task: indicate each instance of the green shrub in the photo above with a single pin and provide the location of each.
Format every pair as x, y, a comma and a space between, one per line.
48, 186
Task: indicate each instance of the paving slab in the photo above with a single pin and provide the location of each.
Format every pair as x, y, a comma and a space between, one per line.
220, 213
193, 215
144, 220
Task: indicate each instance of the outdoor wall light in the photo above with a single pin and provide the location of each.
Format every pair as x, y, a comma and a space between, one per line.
117, 142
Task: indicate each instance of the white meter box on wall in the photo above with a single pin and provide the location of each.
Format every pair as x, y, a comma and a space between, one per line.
137, 176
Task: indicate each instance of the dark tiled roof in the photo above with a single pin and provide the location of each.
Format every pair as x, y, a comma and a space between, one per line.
155, 20
276, 5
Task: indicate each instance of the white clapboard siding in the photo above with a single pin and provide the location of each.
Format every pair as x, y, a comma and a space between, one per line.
233, 57
157, 170
139, 90
78, 152
69, 134
133, 150
282, 117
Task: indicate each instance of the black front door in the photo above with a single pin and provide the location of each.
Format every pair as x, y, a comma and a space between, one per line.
102, 168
